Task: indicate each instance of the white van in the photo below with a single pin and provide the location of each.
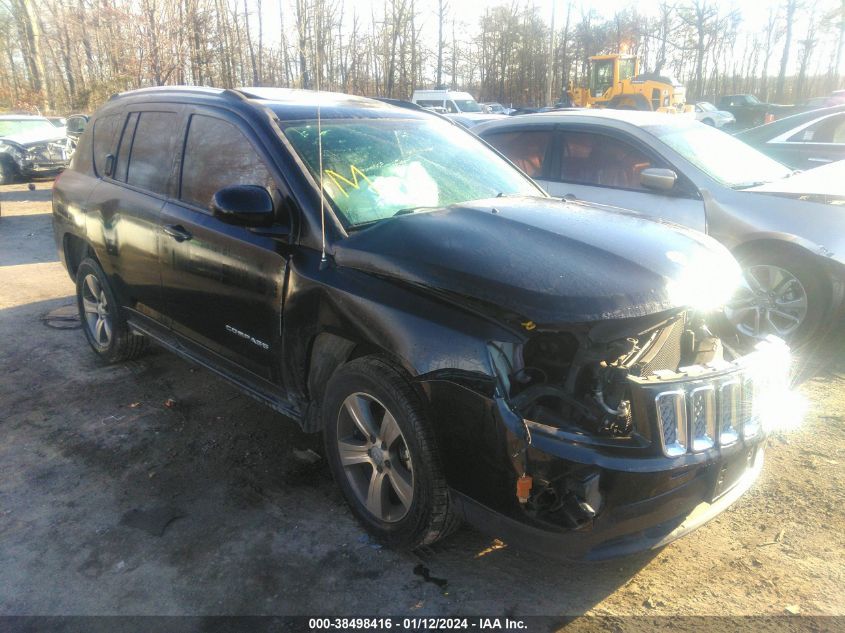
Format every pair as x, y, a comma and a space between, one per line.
451, 101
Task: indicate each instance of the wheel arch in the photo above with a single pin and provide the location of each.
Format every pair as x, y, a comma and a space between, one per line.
331, 350
785, 243
640, 102
75, 249
832, 288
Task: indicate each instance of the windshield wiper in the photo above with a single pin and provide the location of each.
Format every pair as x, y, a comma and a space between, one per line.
748, 185
409, 210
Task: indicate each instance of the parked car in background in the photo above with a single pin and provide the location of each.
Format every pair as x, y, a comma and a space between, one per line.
672, 167
708, 114
747, 109
830, 101
468, 346
495, 108
802, 141
453, 101
30, 146
459, 106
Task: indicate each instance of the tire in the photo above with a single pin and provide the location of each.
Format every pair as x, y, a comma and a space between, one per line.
770, 268
7, 174
102, 321
708, 122
412, 507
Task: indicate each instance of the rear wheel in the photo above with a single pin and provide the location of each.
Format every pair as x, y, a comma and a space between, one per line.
382, 454
102, 321
781, 294
708, 122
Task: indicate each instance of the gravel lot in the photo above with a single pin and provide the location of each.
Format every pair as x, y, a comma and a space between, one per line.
153, 487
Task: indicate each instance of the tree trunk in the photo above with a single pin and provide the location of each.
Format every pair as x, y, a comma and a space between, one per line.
784, 60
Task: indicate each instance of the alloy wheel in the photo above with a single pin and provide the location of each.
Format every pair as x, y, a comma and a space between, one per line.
770, 300
98, 318
375, 457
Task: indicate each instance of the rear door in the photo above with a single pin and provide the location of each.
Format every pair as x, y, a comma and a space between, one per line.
136, 178
604, 166
223, 284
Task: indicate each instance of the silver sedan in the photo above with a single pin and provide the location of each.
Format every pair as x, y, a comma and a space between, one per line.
791, 247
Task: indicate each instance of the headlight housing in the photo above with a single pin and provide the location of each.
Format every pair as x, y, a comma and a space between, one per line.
704, 284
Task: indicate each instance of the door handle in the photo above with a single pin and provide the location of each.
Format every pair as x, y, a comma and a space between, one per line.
177, 232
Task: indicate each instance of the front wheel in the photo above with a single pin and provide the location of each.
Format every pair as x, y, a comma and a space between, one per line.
382, 454
782, 294
102, 321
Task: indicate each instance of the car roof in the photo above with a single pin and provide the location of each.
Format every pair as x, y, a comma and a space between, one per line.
286, 103
636, 118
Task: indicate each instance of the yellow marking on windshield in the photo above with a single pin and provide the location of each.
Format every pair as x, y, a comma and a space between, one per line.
354, 172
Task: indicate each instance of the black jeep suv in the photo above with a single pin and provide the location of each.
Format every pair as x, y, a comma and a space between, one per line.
469, 347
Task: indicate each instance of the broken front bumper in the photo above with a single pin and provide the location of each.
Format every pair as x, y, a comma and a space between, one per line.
630, 526
696, 448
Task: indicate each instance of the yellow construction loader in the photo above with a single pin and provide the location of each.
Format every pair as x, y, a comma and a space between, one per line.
616, 82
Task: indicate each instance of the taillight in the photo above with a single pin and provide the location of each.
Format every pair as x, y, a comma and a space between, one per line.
768, 118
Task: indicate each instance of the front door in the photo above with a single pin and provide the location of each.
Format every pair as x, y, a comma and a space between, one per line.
605, 168
223, 284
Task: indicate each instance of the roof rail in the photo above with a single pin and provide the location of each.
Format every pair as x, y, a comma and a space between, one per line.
183, 89
235, 93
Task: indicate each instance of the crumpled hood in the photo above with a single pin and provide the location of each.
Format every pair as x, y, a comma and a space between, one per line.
34, 137
545, 259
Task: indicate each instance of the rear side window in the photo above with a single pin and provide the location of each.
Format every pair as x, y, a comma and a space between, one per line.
218, 155
104, 128
150, 159
829, 130
527, 150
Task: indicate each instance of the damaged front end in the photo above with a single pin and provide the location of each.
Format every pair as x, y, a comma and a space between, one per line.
38, 158
624, 429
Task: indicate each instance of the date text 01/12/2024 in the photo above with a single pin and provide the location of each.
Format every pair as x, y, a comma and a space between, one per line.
416, 624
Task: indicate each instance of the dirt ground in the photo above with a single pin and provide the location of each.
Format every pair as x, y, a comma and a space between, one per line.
153, 487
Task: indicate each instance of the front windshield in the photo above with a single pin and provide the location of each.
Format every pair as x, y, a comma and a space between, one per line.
9, 127
721, 156
374, 168
626, 68
751, 99
706, 106
467, 105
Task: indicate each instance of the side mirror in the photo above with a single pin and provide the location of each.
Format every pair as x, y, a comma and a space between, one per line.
656, 178
244, 205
